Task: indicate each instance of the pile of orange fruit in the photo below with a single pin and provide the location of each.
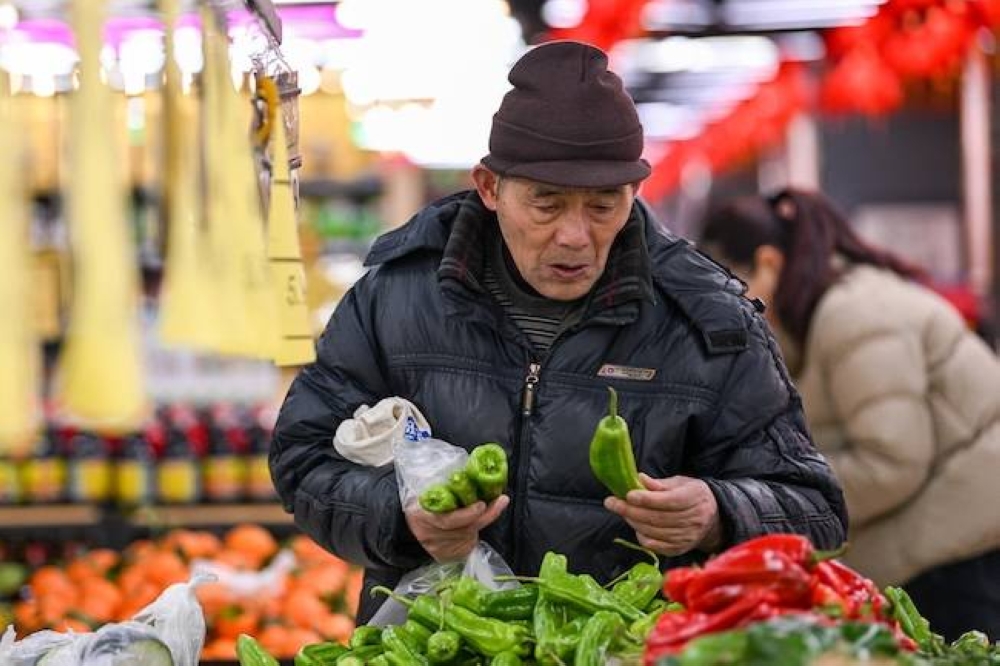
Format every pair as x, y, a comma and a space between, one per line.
315, 602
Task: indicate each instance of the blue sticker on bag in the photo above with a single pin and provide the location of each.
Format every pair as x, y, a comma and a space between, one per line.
412, 432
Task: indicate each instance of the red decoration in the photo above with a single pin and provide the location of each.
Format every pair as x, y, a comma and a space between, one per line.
755, 123
862, 82
987, 12
906, 39
905, 5
606, 23
930, 42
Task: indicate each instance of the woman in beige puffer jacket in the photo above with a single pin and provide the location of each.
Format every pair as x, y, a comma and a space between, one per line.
902, 399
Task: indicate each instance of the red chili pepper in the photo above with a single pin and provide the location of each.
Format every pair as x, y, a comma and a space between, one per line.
674, 630
676, 582
774, 571
823, 595
717, 598
797, 547
861, 596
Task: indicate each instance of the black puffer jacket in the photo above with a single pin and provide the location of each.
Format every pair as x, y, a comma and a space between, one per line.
719, 405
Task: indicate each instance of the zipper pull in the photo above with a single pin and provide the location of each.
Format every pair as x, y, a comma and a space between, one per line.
529, 388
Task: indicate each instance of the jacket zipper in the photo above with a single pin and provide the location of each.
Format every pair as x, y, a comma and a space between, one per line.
528, 399
527, 408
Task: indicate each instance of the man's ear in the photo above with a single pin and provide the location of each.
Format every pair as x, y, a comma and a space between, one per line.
487, 184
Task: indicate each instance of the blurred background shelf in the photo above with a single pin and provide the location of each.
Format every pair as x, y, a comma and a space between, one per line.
54, 515
211, 515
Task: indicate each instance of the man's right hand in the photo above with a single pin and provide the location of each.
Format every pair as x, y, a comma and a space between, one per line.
449, 537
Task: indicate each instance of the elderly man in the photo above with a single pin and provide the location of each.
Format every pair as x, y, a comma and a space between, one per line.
505, 312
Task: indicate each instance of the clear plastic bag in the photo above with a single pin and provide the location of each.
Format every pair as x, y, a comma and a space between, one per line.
249, 584
422, 461
483, 563
168, 632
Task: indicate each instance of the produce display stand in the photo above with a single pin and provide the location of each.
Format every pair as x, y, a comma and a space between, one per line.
113, 527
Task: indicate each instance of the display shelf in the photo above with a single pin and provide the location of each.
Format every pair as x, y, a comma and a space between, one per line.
208, 515
49, 515
115, 527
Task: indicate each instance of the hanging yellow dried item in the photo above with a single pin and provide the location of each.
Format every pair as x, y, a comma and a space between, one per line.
100, 381
285, 255
247, 304
19, 346
188, 297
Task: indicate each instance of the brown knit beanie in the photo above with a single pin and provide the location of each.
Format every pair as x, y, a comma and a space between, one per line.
568, 121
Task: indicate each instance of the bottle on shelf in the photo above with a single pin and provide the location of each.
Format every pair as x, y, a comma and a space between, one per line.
134, 472
260, 488
224, 467
178, 478
89, 469
10, 486
43, 475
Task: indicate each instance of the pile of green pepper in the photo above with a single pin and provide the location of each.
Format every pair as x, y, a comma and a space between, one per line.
483, 479
554, 619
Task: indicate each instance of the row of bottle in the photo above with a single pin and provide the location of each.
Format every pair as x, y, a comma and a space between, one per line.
183, 456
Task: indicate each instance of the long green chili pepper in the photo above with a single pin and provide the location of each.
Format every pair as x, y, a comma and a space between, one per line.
552, 563
485, 635
912, 622
596, 638
415, 634
639, 585
643, 583
584, 594
563, 646
514, 604
319, 654
462, 487
487, 467
640, 628
398, 651
351, 659
359, 656
364, 653
379, 660
365, 635
611, 456
506, 659
443, 647
546, 622
438, 499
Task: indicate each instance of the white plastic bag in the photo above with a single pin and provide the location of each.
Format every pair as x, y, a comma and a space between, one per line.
178, 619
30, 649
483, 563
249, 584
368, 438
169, 631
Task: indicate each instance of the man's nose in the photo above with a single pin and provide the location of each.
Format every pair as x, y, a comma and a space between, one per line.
573, 231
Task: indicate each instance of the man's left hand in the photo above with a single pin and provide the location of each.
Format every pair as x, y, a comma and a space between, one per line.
671, 516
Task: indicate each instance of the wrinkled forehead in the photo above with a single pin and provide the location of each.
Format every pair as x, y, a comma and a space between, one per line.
539, 189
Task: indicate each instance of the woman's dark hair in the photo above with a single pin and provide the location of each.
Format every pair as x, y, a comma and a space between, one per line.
810, 232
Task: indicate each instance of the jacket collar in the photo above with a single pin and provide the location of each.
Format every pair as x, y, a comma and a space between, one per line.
456, 227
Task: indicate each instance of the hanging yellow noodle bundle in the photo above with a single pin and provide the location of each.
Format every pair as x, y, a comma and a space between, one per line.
100, 382
19, 350
235, 220
296, 344
188, 295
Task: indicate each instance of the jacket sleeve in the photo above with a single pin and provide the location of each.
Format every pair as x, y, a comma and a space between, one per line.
877, 385
756, 455
351, 510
